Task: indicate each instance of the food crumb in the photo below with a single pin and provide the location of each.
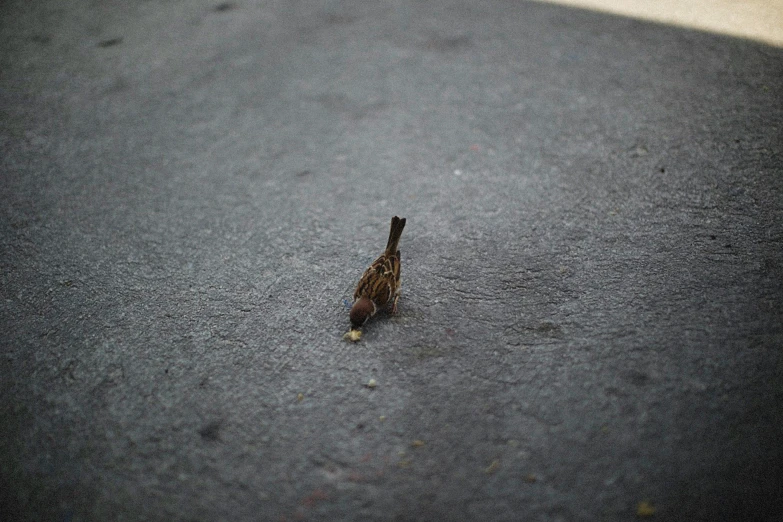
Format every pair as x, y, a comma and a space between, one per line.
371, 384
493, 467
417, 443
353, 335
300, 397
645, 509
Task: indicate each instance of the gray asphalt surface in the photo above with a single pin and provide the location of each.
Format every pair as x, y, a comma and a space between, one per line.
590, 325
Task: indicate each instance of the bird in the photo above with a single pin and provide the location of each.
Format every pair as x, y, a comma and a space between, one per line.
380, 283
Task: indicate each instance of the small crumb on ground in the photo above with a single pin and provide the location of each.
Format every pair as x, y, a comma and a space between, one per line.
645, 509
353, 335
493, 467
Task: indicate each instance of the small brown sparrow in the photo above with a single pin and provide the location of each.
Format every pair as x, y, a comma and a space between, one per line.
380, 282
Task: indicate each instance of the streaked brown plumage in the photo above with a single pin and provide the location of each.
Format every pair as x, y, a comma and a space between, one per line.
380, 283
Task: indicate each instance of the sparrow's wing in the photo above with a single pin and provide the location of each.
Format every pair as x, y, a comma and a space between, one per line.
379, 280
396, 268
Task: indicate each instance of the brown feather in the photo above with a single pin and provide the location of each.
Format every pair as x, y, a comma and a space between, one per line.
381, 281
395, 232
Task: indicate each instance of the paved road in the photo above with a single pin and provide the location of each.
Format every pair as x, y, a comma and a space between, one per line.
590, 326
760, 20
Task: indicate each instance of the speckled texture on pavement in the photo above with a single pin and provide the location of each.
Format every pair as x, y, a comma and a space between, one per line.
590, 325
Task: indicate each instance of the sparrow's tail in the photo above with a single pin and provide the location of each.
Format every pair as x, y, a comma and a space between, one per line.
397, 225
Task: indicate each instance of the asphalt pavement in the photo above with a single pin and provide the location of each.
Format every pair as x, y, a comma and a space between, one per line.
591, 320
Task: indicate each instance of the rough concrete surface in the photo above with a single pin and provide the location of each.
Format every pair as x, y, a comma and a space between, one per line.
760, 20
591, 319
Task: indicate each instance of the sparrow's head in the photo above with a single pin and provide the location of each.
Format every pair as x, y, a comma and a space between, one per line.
362, 310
